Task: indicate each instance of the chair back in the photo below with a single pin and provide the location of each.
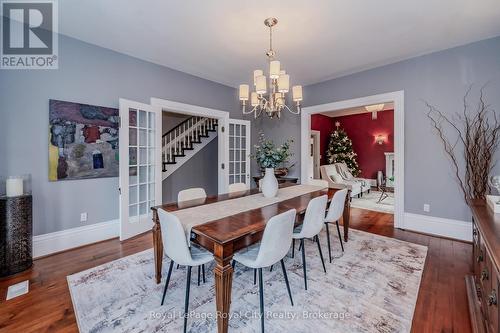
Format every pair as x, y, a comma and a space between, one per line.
314, 218
277, 238
336, 206
237, 187
191, 194
344, 171
174, 238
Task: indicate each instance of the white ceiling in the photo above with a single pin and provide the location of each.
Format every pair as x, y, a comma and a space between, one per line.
355, 110
224, 40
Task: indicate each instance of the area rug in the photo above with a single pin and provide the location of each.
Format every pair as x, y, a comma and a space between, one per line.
370, 201
372, 287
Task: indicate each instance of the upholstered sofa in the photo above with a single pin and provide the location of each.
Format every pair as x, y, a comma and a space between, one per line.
329, 173
346, 174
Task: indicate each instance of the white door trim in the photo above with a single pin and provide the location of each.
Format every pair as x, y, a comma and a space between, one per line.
316, 135
397, 97
223, 136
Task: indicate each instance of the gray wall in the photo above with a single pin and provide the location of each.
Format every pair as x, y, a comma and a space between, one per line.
92, 75
199, 171
169, 120
440, 78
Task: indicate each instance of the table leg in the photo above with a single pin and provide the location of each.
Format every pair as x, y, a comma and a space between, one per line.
347, 216
223, 283
157, 247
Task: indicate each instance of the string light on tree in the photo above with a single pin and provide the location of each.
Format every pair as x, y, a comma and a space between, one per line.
340, 150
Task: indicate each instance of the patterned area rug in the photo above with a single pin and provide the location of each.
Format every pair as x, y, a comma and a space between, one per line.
370, 201
372, 287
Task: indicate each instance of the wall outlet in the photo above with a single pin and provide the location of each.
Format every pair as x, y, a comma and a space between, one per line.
83, 217
427, 208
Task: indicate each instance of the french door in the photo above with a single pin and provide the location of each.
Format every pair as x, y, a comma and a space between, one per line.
140, 166
239, 151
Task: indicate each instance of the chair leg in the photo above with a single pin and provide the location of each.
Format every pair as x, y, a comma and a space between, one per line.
203, 271
301, 244
293, 248
233, 264
255, 276
177, 266
261, 297
168, 280
304, 262
320, 253
340, 237
286, 281
271, 269
328, 241
186, 301
199, 275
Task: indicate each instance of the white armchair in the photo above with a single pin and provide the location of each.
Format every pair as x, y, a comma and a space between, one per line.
335, 180
346, 174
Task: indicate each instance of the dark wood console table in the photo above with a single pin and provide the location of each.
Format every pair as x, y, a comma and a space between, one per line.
281, 180
483, 285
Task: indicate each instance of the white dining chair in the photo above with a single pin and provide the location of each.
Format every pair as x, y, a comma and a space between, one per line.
191, 194
311, 227
334, 213
177, 249
237, 187
273, 247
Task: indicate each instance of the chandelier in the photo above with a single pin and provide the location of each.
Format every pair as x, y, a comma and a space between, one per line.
272, 101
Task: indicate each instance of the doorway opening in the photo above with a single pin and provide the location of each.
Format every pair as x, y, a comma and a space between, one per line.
361, 142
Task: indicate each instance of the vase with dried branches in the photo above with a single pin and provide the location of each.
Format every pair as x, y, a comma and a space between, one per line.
473, 133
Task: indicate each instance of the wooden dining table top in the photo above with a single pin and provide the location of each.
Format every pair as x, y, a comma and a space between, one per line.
230, 228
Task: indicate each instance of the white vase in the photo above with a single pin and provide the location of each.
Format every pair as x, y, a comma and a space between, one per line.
269, 184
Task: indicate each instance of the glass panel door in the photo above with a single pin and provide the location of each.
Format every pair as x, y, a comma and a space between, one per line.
239, 151
139, 167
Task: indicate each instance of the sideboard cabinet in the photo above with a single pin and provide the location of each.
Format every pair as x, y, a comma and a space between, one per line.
483, 285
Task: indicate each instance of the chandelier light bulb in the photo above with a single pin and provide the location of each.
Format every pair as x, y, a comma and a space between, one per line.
257, 72
244, 92
274, 69
254, 99
284, 83
297, 93
260, 84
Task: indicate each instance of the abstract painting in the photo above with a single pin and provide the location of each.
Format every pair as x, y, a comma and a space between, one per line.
83, 141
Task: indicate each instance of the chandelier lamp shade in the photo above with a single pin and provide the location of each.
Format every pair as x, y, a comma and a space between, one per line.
268, 93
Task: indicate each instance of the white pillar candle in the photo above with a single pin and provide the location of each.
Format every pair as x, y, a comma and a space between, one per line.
14, 187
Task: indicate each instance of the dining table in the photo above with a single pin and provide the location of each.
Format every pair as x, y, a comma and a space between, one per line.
226, 235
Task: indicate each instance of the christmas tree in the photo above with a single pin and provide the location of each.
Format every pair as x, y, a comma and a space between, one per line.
340, 150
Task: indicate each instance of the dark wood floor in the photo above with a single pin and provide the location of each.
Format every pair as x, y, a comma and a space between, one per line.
441, 304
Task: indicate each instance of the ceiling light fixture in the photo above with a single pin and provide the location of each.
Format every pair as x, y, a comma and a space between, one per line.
374, 109
272, 102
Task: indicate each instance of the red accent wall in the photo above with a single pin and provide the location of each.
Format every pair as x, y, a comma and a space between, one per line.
325, 125
363, 132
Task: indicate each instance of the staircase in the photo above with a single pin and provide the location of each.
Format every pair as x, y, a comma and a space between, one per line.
185, 140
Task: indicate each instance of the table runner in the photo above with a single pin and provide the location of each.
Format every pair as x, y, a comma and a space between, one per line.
191, 217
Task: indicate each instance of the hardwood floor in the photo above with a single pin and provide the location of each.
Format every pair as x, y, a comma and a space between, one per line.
441, 304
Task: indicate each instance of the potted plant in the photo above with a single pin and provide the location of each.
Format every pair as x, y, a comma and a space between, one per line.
269, 156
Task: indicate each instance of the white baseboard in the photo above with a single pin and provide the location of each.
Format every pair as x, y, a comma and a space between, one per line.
67, 239
438, 226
